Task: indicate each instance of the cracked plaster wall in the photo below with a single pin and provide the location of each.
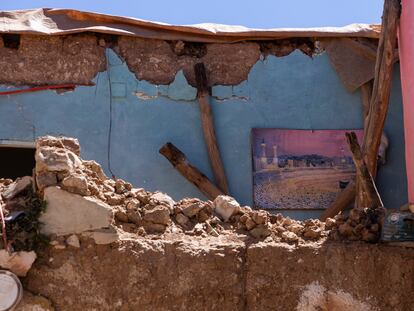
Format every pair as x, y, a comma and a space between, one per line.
281, 92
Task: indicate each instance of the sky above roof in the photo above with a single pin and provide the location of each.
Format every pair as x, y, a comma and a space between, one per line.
254, 14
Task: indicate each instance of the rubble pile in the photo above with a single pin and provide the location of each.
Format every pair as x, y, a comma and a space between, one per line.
83, 202
361, 224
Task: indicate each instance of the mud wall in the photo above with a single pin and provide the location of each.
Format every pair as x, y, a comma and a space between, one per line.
145, 98
222, 275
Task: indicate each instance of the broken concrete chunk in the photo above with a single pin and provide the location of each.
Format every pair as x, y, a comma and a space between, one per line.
259, 217
54, 159
20, 185
96, 168
289, 236
193, 209
312, 233
295, 228
182, 219
250, 224
102, 236
76, 183
134, 217
45, 179
18, 262
260, 231
226, 206
69, 143
158, 215
73, 241
69, 213
163, 199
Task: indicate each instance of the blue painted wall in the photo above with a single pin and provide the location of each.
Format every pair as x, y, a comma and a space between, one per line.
124, 132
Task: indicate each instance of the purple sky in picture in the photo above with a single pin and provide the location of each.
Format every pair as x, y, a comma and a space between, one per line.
330, 143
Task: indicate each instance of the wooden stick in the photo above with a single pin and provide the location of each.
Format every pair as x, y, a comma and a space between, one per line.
342, 201
208, 127
191, 173
382, 84
366, 181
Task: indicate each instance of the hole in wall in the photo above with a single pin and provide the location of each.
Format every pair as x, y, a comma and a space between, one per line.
16, 161
11, 41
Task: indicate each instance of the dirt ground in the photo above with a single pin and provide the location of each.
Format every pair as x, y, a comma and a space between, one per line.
230, 272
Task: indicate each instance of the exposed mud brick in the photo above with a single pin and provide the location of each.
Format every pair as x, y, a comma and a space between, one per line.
151, 60
40, 60
156, 61
377, 276
227, 64
155, 275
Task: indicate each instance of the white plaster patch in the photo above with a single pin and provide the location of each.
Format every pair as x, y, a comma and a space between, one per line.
316, 297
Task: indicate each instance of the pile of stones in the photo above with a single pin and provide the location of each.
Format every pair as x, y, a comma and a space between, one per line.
83, 202
361, 224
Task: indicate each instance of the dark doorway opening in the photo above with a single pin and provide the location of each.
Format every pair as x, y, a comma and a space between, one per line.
16, 162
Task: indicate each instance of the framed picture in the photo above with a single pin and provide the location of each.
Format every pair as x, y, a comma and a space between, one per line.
300, 169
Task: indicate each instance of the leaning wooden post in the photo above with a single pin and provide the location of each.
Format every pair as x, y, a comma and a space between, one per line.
191, 173
208, 127
366, 181
382, 84
366, 91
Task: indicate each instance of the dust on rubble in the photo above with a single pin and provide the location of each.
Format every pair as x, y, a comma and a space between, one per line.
63, 179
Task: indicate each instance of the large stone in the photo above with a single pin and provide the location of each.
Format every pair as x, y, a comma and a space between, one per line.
73, 241
20, 185
158, 215
226, 206
46, 179
69, 143
76, 183
18, 263
193, 209
96, 168
69, 213
163, 199
289, 236
54, 159
261, 231
103, 236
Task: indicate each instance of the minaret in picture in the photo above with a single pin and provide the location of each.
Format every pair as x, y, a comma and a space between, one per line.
263, 158
275, 158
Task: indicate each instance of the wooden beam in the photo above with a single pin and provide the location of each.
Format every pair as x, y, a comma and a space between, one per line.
207, 123
342, 201
382, 84
191, 173
366, 181
366, 92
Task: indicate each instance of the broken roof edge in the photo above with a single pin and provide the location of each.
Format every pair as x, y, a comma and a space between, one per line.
66, 21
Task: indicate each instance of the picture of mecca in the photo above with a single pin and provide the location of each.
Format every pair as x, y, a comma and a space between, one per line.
300, 169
